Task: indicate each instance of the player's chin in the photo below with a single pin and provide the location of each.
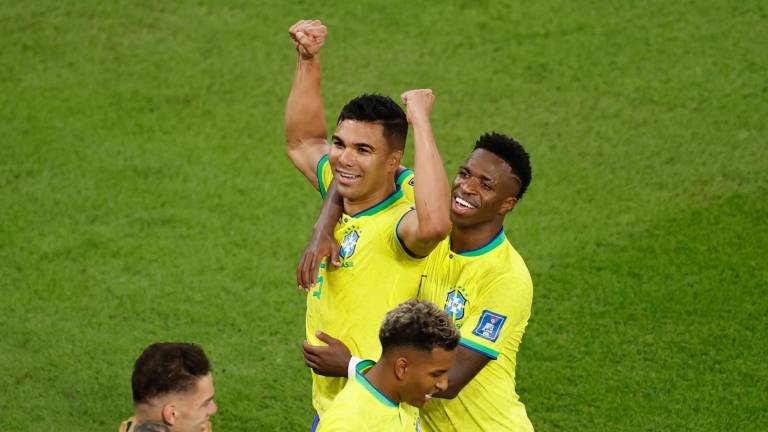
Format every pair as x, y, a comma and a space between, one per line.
462, 218
420, 402
352, 192
347, 191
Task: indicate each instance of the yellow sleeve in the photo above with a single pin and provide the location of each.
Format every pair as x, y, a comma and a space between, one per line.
405, 181
324, 175
500, 312
397, 244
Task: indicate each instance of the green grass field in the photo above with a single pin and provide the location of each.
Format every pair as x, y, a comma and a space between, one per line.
145, 196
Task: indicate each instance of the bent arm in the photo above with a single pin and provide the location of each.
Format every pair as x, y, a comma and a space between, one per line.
423, 229
322, 243
468, 363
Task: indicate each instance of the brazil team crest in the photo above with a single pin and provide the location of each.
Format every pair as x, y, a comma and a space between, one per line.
454, 304
349, 244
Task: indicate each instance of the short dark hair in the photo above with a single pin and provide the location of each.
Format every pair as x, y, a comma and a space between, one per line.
418, 324
375, 108
513, 154
165, 368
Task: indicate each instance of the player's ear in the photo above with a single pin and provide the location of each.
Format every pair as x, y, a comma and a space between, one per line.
393, 160
401, 368
169, 413
507, 205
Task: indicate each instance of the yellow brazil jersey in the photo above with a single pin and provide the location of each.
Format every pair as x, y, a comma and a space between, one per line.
362, 407
377, 274
488, 292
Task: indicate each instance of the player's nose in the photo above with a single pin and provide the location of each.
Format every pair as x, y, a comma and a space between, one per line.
214, 408
442, 383
345, 158
469, 186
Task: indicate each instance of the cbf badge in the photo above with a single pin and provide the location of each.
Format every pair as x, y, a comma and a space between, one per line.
489, 326
454, 305
348, 244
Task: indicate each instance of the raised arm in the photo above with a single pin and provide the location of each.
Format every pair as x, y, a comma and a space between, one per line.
423, 229
305, 130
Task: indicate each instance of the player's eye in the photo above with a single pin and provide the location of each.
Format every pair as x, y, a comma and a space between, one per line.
338, 144
486, 186
463, 174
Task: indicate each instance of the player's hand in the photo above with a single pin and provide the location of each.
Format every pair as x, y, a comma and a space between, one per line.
308, 37
331, 360
321, 245
418, 104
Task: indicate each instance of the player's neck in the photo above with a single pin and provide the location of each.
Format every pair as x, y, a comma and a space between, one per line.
357, 206
380, 376
474, 237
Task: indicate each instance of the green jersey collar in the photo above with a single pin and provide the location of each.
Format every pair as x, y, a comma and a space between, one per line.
491, 245
388, 201
359, 369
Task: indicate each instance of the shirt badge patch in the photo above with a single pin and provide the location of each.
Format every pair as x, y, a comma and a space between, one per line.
489, 326
349, 244
454, 305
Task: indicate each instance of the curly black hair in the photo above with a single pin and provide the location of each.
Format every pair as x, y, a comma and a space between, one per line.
375, 108
418, 324
513, 154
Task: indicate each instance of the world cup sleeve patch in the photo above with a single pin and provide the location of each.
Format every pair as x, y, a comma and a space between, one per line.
489, 326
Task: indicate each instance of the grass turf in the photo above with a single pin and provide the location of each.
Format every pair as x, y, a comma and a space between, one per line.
144, 196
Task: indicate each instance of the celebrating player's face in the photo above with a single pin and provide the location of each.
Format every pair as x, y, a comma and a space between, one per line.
361, 159
427, 374
483, 189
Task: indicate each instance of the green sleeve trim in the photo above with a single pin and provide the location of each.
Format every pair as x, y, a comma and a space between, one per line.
403, 175
474, 346
400, 241
319, 170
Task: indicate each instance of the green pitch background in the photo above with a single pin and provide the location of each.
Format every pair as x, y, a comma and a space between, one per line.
145, 196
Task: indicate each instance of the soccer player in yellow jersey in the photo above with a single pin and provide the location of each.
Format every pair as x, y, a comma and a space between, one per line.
418, 343
483, 283
382, 238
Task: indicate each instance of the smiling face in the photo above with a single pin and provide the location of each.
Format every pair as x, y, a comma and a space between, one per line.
362, 160
484, 190
424, 374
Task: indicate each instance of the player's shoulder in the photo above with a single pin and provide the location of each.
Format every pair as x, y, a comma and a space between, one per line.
510, 262
346, 414
343, 414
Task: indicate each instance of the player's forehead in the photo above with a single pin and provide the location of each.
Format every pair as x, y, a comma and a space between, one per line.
482, 163
355, 132
442, 358
437, 359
